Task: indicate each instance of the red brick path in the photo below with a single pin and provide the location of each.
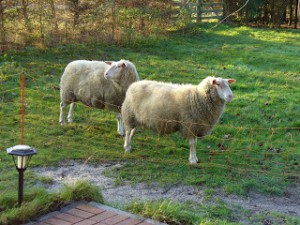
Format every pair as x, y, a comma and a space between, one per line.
92, 214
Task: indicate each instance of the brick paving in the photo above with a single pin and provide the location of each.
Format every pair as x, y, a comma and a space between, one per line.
83, 213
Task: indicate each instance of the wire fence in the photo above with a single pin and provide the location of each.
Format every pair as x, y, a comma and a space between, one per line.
240, 149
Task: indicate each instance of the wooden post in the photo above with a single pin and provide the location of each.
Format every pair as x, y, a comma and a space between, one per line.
22, 106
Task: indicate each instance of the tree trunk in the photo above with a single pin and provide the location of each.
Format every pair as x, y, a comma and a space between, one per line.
199, 10
283, 14
272, 13
296, 13
54, 18
113, 20
76, 13
2, 27
247, 15
291, 12
41, 24
2, 8
26, 17
278, 10
229, 7
74, 7
266, 19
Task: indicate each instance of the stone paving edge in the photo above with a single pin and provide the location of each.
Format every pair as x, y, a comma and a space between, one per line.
124, 213
93, 204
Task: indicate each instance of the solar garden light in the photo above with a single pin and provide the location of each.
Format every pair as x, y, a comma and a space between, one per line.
21, 155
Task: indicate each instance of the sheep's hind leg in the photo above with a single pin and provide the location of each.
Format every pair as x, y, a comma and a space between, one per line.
70, 114
120, 124
193, 157
61, 115
128, 138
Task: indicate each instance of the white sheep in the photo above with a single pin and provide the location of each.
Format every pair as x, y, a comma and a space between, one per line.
193, 110
97, 84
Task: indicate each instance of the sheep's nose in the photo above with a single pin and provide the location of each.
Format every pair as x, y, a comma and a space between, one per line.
229, 98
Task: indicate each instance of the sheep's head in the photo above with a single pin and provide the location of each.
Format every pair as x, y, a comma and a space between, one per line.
222, 87
115, 70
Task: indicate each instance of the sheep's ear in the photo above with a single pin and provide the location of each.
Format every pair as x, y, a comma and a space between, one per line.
108, 62
123, 64
214, 81
231, 81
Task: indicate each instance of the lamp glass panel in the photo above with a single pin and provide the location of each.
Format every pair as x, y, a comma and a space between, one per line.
22, 161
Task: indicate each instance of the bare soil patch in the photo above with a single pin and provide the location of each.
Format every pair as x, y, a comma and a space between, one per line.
119, 194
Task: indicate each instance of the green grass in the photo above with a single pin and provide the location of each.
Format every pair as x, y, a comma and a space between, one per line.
181, 213
262, 122
218, 213
38, 201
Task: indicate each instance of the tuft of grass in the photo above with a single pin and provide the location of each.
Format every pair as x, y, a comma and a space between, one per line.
172, 212
38, 202
216, 213
82, 190
164, 210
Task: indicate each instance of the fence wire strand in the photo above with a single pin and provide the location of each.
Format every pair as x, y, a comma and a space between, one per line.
229, 151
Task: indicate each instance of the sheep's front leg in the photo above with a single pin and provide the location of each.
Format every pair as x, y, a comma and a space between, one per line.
70, 114
120, 124
61, 115
193, 157
128, 138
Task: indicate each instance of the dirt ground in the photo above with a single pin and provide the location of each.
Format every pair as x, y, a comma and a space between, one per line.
117, 194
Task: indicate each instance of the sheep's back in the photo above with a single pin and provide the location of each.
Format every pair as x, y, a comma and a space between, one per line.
81, 70
82, 81
157, 105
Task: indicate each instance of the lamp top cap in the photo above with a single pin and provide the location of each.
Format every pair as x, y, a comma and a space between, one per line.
21, 150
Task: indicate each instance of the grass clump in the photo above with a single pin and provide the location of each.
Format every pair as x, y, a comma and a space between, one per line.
213, 213
165, 210
38, 202
172, 212
82, 190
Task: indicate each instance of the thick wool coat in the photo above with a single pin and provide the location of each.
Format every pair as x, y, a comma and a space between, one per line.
193, 110
84, 81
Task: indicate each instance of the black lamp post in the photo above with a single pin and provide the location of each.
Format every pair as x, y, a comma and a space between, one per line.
21, 155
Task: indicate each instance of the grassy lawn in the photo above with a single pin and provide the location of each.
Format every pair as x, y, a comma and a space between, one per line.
254, 147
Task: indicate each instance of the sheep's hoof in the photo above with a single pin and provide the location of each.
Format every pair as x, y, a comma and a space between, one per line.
193, 158
193, 162
61, 123
127, 148
121, 133
70, 120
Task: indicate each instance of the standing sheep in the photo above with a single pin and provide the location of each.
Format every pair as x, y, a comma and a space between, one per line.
166, 108
97, 84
